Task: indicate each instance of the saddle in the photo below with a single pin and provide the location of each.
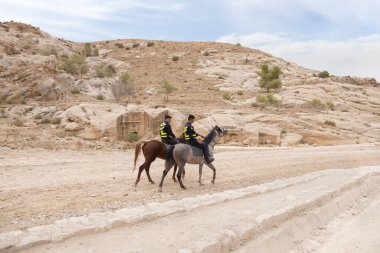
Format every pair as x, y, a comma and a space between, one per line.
196, 151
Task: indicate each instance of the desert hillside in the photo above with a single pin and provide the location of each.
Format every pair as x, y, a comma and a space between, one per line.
45, 103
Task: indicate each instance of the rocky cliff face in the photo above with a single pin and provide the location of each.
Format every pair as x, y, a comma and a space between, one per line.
215, 81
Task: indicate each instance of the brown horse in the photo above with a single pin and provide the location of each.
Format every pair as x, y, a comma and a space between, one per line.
151, 150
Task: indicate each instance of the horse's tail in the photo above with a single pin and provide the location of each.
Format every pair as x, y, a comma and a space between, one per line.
137, 153
169, 154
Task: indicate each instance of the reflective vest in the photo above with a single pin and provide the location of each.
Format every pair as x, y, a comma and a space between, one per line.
163, 134
187, 137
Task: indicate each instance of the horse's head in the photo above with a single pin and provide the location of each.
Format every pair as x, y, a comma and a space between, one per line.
220, 131
215, 133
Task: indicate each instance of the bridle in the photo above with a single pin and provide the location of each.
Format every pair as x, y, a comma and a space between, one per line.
220, 136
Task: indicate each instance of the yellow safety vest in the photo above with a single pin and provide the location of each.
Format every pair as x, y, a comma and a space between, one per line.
187, 137
163, 134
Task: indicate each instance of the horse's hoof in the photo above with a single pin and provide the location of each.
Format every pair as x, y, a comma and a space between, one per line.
151, 182
213, 181
159, 189
174, 180
183, 187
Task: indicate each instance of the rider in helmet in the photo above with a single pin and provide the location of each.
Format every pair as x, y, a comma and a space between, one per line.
190, 138
166, 133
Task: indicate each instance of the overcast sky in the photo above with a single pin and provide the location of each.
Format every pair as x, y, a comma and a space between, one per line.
341, 36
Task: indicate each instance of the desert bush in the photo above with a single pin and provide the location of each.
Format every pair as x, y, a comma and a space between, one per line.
268, 99
49, 51
194, 61
175, 58
330, 105
95, 52
100, 97
324, 74
45, 120
87, 49
3, 114
167, 88
238, 44
123, 87
269, 78
38, 116
150, 44
27, 47
315, 103
132, 137
240, 93
56, 121
75, 90
105, 71
75, 65
135, 45
119, 45
206, 53
18, 122
329, 123
226, 95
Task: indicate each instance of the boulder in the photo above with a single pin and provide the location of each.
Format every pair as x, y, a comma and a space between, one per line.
72, 126
291, 139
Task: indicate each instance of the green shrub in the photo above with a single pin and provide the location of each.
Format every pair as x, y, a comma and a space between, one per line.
238, 44
56, 121
75, 90
167, 88
87, 49
175, 58
262, 100
132, 137
226, 95
119, 45
39, 116
100, 97
18, 122
329, 123
75, 65
105, 71
324, 74
123, 87
49, 51
45, 120
268, 99
240, 93
315, 103
330, 105
27, 47
150, 44
3, 114
269, 78
194, 61
136, 45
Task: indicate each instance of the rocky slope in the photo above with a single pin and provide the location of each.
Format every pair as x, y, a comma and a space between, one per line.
41, 105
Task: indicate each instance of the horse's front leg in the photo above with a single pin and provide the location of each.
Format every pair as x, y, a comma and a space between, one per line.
200, 174
214, 170
168, 166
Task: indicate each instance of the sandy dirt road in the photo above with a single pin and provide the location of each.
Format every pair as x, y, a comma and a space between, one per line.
39, 187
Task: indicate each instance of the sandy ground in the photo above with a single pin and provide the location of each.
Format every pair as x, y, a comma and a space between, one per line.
38, 186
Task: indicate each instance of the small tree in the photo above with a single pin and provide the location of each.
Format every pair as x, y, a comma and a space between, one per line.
87, 49
324, 74
269, 78
123, 87
167, 88
75, 65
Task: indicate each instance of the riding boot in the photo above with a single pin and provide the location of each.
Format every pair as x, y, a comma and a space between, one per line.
207, 155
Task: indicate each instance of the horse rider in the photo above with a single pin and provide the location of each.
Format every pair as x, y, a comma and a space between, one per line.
166, 133
190, 138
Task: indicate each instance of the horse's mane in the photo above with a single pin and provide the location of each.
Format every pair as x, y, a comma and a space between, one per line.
211, 134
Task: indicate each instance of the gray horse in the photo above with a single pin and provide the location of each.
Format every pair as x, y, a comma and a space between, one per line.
181, 154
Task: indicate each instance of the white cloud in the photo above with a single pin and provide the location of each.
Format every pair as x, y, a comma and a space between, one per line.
358, 56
